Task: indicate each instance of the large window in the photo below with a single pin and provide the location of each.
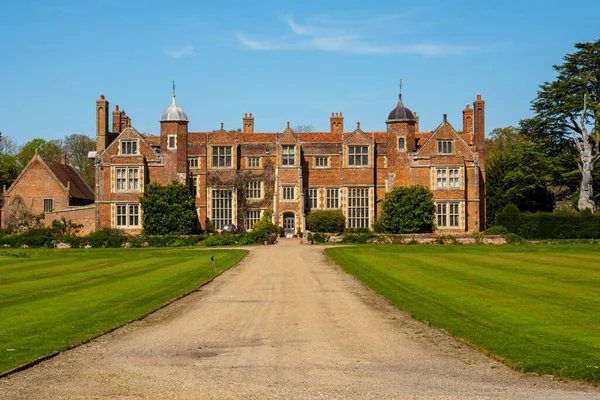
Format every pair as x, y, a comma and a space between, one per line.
222, 207
221, 156
127, 179
129, 147
128, 215
48, 205
252, 217
358, 155
358, 208
332, 198
253, 190
312, 199
447, 177
445, 146
289, 193
447, 215
287, 154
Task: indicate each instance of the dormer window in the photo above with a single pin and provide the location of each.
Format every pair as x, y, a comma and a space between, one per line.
358, 155
221, 156
287, 154
445, 147
129, 147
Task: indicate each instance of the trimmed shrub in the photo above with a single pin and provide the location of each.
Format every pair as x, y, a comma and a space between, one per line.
406, 210
220, 240
329, 221
112, 238
319, 238
564, 225
265, 223
496, 230
360, 238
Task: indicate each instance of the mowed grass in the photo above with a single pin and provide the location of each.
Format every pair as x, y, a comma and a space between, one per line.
52, 300
536, 306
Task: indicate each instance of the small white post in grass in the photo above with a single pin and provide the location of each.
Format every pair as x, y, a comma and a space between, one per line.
212, 260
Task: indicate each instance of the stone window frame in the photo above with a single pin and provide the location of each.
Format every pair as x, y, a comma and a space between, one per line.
127, 179
449, 214
288, 193
253, 162
193, 185
352, 155
442, 173
324, 161
226, 157
331, 200
48, 204
312, 198
289, 159
172, 145
403, 148
358, 199
134, 148
254, 190
220, 214
127, 215
445, 146
193, 162
250, 221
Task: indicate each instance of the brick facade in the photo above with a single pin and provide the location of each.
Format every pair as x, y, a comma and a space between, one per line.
293, 172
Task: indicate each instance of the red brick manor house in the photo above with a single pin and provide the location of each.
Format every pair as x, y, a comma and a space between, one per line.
236, 176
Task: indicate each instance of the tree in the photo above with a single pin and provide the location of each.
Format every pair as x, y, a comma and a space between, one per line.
407, 210
566, 107
9, 168
168, 209
303, 128
49, 151
77, 147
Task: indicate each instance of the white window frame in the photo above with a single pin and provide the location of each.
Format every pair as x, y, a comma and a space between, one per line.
445, 146
128, 179
254, 190
321, 162
288, 193
222, 156
48, 205
129, 148
358, 159
253, 162
448, 214
127, 215
332, 198
358, 208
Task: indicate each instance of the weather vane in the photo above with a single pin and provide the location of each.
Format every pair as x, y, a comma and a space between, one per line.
173, 87
400, 85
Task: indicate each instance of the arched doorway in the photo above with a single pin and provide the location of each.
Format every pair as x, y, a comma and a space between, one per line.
289, 223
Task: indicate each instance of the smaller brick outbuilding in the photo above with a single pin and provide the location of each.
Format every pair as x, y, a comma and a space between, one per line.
54, 189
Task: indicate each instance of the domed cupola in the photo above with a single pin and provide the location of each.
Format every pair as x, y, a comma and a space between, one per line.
173, 113
401, 113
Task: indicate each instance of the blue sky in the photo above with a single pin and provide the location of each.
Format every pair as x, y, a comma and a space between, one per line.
282, 61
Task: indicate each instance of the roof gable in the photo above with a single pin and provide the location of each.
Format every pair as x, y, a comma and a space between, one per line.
222, 137
445, 131
130, 133
288, 136
358, 137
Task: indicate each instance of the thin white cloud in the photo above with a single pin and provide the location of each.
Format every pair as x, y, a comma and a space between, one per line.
180, 52
328, 35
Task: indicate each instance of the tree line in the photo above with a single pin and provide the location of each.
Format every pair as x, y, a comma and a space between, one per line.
14, 158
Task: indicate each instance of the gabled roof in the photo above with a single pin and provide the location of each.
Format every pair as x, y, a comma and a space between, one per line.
69, 177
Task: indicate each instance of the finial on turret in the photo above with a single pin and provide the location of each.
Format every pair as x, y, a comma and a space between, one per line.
173, 87
400, 93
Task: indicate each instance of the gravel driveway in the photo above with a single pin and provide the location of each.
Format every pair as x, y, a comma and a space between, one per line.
284, 324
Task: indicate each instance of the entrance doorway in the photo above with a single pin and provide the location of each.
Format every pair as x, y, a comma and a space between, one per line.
289, 224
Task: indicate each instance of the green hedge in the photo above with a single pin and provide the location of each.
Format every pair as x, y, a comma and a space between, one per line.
564, 225
330, 221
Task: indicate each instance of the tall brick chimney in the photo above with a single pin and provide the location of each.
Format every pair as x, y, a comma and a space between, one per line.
116, 117
102, 137
248, 123
479, 134
468, 124
336, 123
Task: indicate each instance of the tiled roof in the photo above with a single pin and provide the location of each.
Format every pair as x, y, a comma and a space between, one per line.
67, 174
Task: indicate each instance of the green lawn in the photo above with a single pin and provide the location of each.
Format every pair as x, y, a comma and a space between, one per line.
54, 299
536, 306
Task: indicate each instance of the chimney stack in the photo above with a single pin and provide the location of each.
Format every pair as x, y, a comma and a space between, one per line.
336, 123
468, 124
248, 123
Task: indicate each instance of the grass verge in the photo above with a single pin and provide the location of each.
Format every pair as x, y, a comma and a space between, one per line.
534, 306
52, 300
